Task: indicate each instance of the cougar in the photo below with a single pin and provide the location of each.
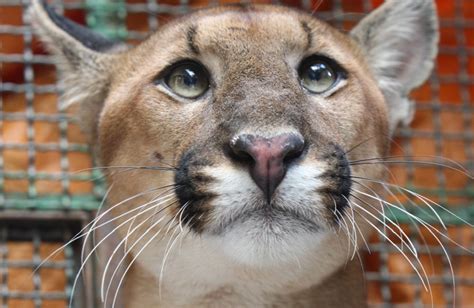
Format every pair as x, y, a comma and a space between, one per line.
242, 146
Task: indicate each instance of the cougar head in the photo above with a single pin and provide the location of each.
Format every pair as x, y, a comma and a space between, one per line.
241, 123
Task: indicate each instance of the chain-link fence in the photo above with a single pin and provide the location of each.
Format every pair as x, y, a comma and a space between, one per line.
45, 197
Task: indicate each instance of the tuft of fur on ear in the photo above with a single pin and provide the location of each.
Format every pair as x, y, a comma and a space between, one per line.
84, 60
400, 41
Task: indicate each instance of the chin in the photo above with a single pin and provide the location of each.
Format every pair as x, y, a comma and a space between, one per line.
268, 242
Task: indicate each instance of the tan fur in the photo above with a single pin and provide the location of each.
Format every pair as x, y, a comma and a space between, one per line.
252, 53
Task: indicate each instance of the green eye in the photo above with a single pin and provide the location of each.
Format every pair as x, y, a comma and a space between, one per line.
189, 80
317, 75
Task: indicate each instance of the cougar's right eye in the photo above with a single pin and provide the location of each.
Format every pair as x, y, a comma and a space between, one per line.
187, 79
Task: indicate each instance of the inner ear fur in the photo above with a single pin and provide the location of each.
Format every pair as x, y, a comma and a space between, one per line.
85, 62
400, 43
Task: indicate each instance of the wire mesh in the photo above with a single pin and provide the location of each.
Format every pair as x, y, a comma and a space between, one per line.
42, 150
24, 245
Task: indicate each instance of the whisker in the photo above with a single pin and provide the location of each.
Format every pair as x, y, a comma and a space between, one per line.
349, 236
355, 224
78, 274
428, 163
358, 145
430, 230
390, 209
363, 238
424, 199
424, 223
316, 7
83, 249
102, 285
399, 250
402, 235
133, 221
133, 260
411, 159
131, 167
167, 250
354, 232
81, 233
382, 212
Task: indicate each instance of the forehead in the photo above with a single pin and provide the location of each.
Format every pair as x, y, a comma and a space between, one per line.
237, 30
259, 28
255, 38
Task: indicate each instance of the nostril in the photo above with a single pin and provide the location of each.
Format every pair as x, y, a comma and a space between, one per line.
294, 148
239, 149
242, 156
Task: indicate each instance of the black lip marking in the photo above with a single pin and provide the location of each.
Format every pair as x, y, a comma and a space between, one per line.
191, 198
339, 188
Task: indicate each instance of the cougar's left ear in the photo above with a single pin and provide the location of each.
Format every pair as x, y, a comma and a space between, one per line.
85, 61
400, 41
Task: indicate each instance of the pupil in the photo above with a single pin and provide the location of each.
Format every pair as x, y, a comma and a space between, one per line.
189, 78
317, 72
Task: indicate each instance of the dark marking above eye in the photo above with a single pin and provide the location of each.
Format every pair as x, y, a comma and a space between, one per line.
309, 34
190, 37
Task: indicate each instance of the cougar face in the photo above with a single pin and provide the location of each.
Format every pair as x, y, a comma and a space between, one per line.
261, 159
244, 121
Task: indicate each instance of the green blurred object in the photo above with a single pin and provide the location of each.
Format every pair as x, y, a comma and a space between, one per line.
107, 17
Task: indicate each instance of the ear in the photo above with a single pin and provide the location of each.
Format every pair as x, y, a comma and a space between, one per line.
400, 41
85, 62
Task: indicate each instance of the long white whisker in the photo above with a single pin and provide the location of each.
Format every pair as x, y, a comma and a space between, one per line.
413, 194
401, 236
357, 226
179, 214
354, 231
461, 169
349, 236
124, 240
421, 221
133, 260
399, 250
84, 242
98, 244
422, 198
430, 229
133, 221
81, 233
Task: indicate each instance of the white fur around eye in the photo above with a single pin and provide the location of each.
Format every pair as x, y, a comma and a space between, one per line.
341, 83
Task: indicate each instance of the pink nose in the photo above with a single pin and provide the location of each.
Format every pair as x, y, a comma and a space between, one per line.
268, 158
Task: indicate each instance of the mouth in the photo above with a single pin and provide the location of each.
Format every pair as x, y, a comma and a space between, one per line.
279, 220
220, 197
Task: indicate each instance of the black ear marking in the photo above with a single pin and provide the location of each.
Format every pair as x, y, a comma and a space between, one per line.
85, 36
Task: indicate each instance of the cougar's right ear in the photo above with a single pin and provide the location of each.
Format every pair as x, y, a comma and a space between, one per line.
85, 61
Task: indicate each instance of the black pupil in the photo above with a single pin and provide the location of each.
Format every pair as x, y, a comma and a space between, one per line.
190, 77
318, 71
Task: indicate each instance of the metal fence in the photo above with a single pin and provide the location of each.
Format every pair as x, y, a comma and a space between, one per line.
42, 154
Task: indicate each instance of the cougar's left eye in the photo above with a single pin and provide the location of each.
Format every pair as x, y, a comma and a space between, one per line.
318, 74
187, 79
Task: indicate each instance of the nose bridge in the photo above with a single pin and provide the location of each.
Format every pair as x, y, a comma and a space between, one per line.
265, 102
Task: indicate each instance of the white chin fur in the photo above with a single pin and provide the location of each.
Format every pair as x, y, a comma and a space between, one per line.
263, 247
